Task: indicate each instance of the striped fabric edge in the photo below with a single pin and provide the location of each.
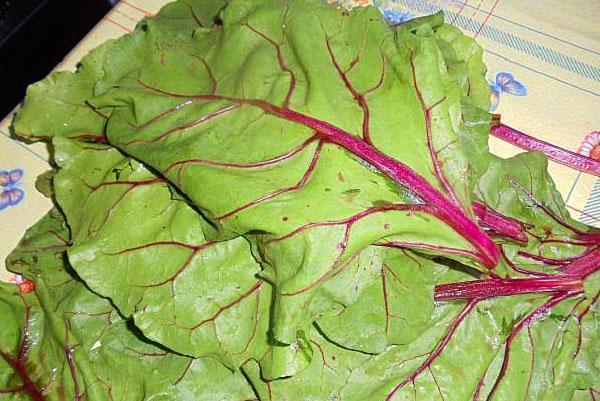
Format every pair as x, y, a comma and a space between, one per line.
591, 211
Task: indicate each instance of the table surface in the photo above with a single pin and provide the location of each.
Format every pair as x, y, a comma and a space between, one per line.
551, 47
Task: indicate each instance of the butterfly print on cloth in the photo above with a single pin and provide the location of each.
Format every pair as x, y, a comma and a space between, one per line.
505, 82
10, 193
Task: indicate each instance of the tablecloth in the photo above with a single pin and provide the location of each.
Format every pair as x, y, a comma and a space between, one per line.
551, 48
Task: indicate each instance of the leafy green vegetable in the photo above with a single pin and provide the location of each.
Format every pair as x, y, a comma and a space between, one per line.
65, 342
251, 206
151, 269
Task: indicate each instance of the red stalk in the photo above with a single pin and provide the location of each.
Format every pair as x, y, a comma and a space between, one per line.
594, 237
484, 289
569, 279
28, 384
498, 224
583, 266
556, 153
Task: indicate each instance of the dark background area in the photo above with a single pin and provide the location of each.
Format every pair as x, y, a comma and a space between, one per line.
35, 35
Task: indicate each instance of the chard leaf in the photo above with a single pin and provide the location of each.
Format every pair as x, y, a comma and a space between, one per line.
459, 357
218, 127
394, 308
64, 94
64, 342
520, 188
316, 204
193, 295
148, 252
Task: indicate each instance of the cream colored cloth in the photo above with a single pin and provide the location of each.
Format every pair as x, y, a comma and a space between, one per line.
551, 47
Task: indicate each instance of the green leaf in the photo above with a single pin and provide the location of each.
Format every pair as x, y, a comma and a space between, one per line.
316, 205
454, 357
521, 188
148, 252
394, 308
64, 342
63, 94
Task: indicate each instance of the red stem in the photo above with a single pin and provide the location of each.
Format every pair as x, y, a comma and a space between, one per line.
499, 224
544, 260
556, 153
484, 289
28, 384
526, 272
593, 237
585, 265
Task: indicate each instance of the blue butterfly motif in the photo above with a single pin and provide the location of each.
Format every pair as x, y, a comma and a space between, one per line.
396, 17
10, 193
505, 83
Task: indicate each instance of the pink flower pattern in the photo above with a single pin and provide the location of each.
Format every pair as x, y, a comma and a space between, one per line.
590, 146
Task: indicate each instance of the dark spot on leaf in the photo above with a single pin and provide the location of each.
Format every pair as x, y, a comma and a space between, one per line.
351, 191
117, 172
341, 177
284, 218
350, 194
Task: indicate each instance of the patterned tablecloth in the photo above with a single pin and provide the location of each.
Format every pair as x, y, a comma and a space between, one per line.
550, 48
